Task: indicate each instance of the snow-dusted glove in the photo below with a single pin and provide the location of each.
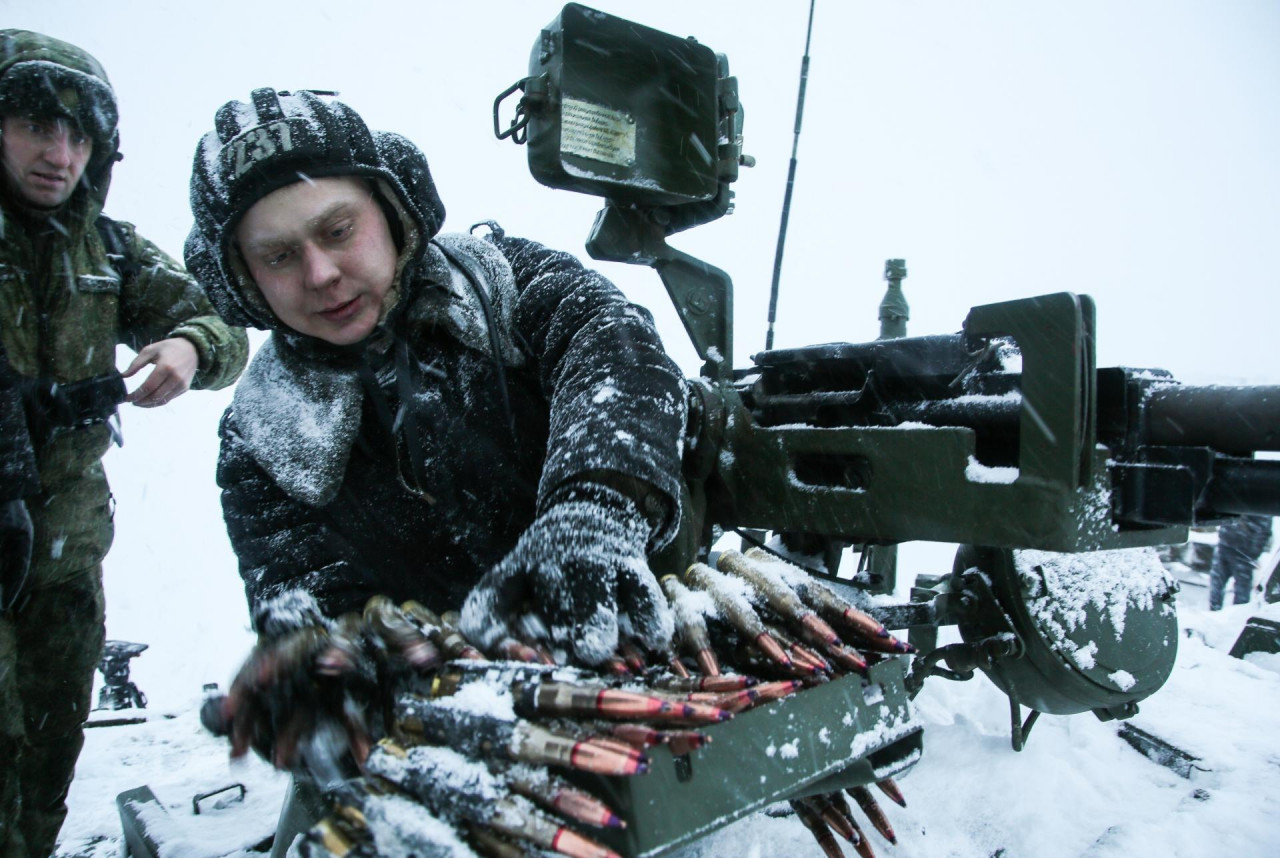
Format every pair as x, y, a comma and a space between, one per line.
576, 579
311, 693
15, 551
299, 699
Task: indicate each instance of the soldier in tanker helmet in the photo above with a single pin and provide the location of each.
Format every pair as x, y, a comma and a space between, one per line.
444, 418
75, 284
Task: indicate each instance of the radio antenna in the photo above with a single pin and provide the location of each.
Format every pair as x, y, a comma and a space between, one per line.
791, 181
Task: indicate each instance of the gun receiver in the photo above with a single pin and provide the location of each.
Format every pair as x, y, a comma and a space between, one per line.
936, 438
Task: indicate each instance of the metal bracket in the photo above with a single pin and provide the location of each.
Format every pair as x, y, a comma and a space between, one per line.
195, 801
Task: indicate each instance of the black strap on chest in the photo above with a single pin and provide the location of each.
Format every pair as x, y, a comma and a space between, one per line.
495, 346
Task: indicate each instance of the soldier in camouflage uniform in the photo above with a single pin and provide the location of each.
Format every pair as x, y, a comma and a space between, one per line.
73, 284
1240, 542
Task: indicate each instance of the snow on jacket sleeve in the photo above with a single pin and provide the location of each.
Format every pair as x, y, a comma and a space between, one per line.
282, 544
617, 400
164, 301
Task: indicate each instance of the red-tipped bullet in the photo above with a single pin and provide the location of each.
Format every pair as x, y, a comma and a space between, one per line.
818, 828
512, 650
571, 843
707, 662
831, 815
590, 756
632, 656
738, 701
636, 735
889, 788
806, 658
683, 741
874, 812
735, 682
818, 630
777, 690
617, 667
772, 649
848, 659
557, 794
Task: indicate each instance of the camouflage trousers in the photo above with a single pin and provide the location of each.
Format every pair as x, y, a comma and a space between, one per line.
50, 643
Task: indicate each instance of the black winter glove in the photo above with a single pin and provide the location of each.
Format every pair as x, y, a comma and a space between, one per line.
577, 578
290, 701
15, 551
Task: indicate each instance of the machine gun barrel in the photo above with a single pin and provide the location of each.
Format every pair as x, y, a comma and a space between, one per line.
1244, 487
1229, 419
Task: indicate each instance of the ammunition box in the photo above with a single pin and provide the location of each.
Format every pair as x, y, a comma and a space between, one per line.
848, 732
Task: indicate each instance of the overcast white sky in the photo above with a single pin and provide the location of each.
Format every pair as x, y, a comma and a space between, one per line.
1126, 150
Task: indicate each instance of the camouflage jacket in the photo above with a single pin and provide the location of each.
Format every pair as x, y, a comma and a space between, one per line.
64, 307
63, 310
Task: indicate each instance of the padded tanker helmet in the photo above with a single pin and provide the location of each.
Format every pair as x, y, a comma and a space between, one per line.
274, 140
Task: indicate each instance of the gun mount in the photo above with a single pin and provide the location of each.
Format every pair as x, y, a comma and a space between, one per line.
117, 691
1054, 475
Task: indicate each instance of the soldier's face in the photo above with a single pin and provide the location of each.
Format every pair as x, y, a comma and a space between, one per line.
44, 159
323, 256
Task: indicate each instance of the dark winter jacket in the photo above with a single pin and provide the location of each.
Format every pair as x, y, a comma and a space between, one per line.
413, 482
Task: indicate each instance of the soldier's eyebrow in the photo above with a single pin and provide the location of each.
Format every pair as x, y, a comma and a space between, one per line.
336, 209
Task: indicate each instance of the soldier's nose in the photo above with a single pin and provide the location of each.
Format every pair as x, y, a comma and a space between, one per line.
319, 270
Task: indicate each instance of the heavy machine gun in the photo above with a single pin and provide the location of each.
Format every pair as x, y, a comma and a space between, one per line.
1004, 437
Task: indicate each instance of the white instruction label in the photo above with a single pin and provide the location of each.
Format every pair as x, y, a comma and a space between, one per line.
597, 132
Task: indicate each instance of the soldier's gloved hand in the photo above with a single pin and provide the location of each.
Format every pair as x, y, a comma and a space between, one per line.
15, 551
296, 700
576, 579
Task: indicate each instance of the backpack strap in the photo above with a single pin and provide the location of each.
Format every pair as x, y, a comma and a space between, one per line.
116, 243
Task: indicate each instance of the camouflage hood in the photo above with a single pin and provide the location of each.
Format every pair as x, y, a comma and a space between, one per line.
278, 139
42, 76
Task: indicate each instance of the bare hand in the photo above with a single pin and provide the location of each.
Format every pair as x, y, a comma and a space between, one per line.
176, 362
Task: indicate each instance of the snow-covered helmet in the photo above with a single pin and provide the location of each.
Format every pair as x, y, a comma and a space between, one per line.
274, 140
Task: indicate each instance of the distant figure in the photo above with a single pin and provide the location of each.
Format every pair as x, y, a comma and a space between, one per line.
1240, 542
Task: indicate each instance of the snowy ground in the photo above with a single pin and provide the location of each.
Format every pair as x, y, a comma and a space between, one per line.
1075, 790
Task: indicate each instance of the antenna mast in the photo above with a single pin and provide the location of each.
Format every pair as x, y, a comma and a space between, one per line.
791, 181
